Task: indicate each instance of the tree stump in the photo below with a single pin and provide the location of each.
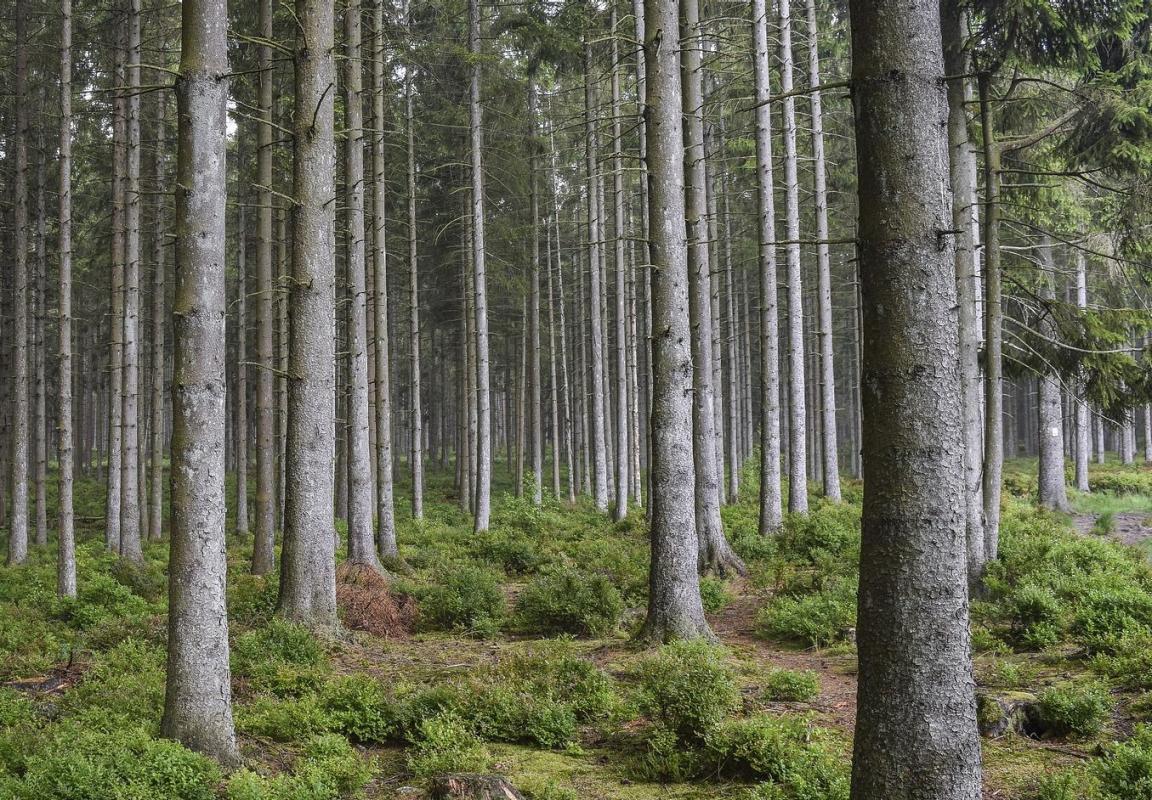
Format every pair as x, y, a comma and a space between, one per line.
470, 786
1011, 712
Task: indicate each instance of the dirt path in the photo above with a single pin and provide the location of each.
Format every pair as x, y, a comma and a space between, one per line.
1129, 528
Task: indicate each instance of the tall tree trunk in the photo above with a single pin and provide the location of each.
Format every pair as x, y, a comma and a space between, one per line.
674, 607
1050, 419
480, 282
828, 441
130, 544
771, 495
197, 700
534, 371
1083, 412
156, 466
308, 572
413, 303
65, 526
961, 160
264, 542
115, 408
797, 388
361, 542
993, 316
40, 406
553, 355
623, 453
912, 630
240, 403
385, 499
715, 554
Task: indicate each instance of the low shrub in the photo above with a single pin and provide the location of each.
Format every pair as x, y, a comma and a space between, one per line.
569, 601
327, 769
1075, 710
464, 598
688, 688
714, 594
358, 707
815, 619
791, 685
513, 552
446, 744
125, 683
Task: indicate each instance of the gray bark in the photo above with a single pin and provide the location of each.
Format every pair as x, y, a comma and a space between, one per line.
912, 632
1050, 417
962, 177
623, 453
308, 572
771, 500
240, 401
993, 334
197, 701
65, 528
413, 302
263, 554
156, 486
797, 401
361, 542
115, 406
674, 607
483, 508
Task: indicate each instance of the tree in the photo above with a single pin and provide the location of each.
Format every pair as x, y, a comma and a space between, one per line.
916, 731
413, 293
18, 463
1050, 418
674, 607
156, 483
197, 699
308, 570
66, 555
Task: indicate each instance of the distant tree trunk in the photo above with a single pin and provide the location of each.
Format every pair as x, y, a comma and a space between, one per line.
623, 453
308, 572
156, 466
283, 353
566, 392
1050, 419
771, 495
797, 389
674, 607
993, 335
18, 453
66, 554
553, 356
361, 542
198, 701
263, 546
962, 176
39, 368
115, 408
715, 554
483, 392
240, 403
916, 734
413, 302
130, 544
534, 371
385, 498
828, 441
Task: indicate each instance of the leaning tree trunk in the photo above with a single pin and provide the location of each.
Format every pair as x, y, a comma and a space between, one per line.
771, 496
361, 542
674, 607
65, 529
197, 701
130, 545
962, 175
912, 629
828, 439
263, 545
715, 554
1050, 419
797, 402
18, 452
308, 571
483, 508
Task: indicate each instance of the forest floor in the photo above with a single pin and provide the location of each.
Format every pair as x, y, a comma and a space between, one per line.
521, 662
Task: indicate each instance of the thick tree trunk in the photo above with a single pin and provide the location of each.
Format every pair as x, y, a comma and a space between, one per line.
197, 701
912, 631
828, 440
674, 607
483, 508
130, 544
993, 335
263, 546
308, 570
797, 388
361, 542
771, 495
961, 160
65, 526
715, 554
1050, 419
